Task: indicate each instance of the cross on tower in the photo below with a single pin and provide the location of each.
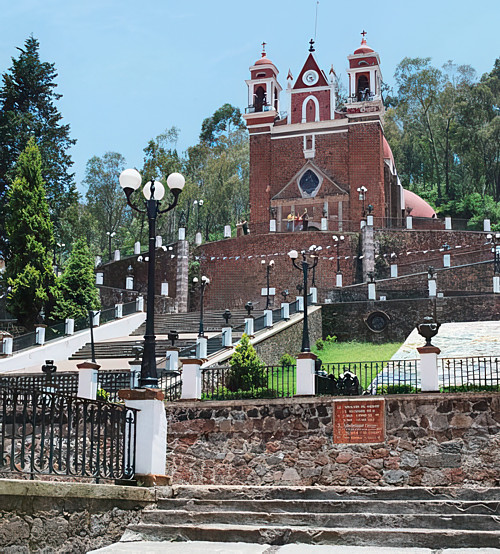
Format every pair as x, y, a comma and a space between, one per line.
264, 49
364, 33
311, 48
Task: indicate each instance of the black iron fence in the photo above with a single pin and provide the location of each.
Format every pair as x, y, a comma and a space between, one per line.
171, 385
43, 433
225, 383
469, 374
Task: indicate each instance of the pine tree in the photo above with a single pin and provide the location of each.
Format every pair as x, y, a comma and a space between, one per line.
27, 108
77, 292
246, 368
29, 270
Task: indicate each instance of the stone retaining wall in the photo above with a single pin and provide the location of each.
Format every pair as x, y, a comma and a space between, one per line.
53, 518
431, 440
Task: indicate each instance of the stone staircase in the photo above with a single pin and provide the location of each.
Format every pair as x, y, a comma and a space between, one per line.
125, 349
385, 517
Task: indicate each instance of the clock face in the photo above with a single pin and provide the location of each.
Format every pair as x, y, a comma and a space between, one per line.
310, 77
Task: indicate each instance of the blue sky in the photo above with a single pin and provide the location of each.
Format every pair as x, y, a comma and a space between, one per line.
129, 69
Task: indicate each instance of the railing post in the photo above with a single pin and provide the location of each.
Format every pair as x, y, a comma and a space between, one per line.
338, 280
306, 374
285, 310
372, 291
409, 222
118, 311
300, 303
129, 282
313, 291
446, 260
394, 270
158, 241
447, 223
324, 224
40, 334
486, 225
99, 278
96, 318
496, 284
182, 233
432, 287
164, 289
8, 344
227, 231
227, 337
139, 304
249, 326
116, 256
268, 318
87, 380
191, 379
197, 239
201, 348
151, 434
69, 326
172, 362
429, 381
137, 248
272, 226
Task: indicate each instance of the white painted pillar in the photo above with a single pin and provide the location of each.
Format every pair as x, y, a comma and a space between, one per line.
409, 222
300, 303
268, 318
249, 326
198, 239
394, 270
158, 241
285, 310
447, 223
116, 256
69, 326
227, 337
139, 303
432, 287
137, 248
96, 318
201, 348
313, 291
496, 284
446, 260
227, 231
164, 289
272, 226
40, 334
151, 430
338, 281
87, 380
306, 374
486, 225
362, 223
191, 379
129, 282
99, 278
369, 220
135, 373
182, 233
172, 355
118, 311
324, 224
429, 381
372, 291
8, 344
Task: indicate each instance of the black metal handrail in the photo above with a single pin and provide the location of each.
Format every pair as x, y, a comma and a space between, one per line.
43, 433
470, 373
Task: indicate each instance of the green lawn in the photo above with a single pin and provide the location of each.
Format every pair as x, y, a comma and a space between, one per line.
356, 351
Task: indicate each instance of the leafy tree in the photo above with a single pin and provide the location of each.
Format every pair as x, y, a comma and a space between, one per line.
77, 292
27, 108
246, 368
29, 270
224, 120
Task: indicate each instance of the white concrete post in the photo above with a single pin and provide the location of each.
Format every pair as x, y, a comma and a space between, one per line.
191, 379
116, 257
99, 278
151, 430
486, 225
369, 220
135, 373
164, 289
118, 311
139, 303
96, 318
306, 374
129, 282
227, 231
201, 348
98, 261
69, 326
272, 226
137, 248
446, 260
300, 303
338, 280
182, 233
285, 310
87, 380
198, 238
394, 270
372, 292
447, 223
313, 291
158, 241
40, 334
8, 344
268, 318
324, 224
409, 222
432, 287
429, 381
362, 223
249, 327
496, 284
227, 337
172, 363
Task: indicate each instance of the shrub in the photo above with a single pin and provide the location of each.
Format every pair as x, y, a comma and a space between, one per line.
102, 395
320, 344
287, 360
246, 368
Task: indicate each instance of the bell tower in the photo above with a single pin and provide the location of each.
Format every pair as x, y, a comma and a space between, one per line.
263, 86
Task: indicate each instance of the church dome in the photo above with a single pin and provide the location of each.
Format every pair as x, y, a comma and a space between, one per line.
387, 151
416, 206
264, 61
364, 48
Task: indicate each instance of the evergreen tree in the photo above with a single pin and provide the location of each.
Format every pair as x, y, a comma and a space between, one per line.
77, 292
246, 368
27, 108
29, 270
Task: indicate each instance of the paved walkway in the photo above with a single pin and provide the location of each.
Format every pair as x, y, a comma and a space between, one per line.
196, 547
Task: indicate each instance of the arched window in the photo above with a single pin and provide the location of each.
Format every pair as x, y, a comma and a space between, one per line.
309, 184
310, 109
259, 99
363, 92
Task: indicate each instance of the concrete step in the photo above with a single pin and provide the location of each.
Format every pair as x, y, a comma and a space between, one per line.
440, 507
277, 535
375, 520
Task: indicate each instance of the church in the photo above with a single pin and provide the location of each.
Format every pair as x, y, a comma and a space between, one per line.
315, 165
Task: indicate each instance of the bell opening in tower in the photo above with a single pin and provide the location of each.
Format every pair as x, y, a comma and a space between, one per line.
363, 89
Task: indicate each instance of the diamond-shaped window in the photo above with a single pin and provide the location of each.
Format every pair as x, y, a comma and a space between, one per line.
309, 182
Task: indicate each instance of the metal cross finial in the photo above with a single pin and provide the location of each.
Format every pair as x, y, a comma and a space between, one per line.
311, 48
264, 49
364, 33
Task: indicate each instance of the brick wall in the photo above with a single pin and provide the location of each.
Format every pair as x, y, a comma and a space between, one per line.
431, 440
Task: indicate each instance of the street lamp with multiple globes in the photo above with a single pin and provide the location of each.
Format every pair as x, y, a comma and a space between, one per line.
494, 240
130, 181
306, 265
362, 196
269, 267
110, 236
338, 240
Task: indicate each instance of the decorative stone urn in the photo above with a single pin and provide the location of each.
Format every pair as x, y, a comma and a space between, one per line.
428, 329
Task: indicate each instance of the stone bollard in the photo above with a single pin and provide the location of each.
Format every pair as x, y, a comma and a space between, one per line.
372, 292
227, 337
116, 256
409, 222
394, 270
40, 334
139, 304
87, 380
201, 348
268, 318
99, 278
69, 326
429, 381
447, 223
306, 374
338, 280
129, 282
182, 233
8, 344
191, 379
150, 435
118, 311
137, 248
285, 310
313, 291
272, 226
300, 303
249, 326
